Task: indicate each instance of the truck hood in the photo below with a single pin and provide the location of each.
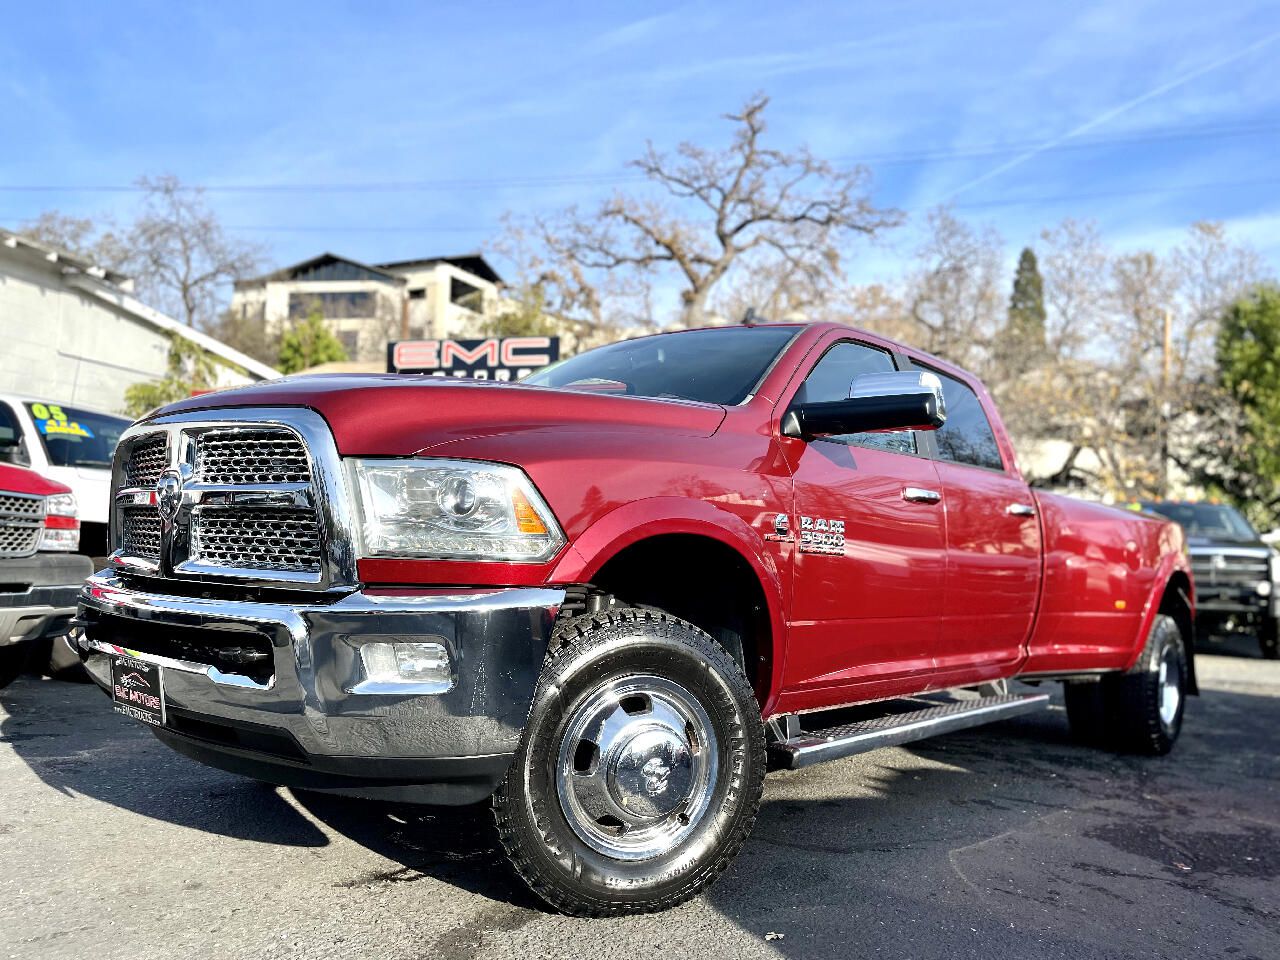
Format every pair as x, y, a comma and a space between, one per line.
15, 479
399, 415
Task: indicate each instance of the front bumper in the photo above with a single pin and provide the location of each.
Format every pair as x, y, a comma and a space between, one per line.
302, 726
41, 598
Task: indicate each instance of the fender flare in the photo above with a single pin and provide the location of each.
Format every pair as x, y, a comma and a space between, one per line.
1169, 565
658, 516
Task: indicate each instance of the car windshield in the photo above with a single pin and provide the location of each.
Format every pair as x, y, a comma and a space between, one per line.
1213, 521
77, 438
712, 366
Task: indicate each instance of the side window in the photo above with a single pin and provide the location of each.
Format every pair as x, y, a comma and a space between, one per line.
13, 448
966, 437
830, 379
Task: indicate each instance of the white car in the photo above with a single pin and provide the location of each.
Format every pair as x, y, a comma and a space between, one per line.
70, 444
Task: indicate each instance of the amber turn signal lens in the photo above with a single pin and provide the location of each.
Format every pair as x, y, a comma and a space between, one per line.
527, 519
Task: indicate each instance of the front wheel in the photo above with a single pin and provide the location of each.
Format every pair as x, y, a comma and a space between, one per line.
640, 770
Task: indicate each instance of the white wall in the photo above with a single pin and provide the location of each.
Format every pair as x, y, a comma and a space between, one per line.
63, 344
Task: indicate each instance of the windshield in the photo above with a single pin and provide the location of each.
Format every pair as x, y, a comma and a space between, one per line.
74, 437
713, 366
1212, 521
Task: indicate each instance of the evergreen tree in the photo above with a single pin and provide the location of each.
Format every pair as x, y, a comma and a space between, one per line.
309, 343
1026, 303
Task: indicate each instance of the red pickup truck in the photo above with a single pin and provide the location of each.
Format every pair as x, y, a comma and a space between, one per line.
610, 596
40, 572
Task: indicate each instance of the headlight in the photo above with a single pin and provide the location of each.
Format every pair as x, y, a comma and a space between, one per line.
61, 527
453, 510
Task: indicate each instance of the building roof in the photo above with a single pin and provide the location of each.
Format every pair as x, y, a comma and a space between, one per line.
57, 255
117, 289
474, 263
325, 262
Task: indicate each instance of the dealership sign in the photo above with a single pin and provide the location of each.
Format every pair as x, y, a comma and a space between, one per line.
494, 358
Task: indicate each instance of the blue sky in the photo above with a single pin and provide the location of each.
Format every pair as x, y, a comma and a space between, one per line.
1142, 115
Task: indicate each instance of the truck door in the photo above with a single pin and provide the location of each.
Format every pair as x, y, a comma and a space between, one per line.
869, 558
993, 541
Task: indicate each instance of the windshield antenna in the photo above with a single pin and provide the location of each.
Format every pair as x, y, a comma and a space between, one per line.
751, 318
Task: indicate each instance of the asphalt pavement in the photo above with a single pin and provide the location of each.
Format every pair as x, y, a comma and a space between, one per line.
1005, 841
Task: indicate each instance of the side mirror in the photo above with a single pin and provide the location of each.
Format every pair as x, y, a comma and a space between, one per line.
877, 403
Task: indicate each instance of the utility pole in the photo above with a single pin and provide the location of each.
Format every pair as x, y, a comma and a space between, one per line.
1166, 359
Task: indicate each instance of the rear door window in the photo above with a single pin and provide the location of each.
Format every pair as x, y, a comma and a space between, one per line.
967, 436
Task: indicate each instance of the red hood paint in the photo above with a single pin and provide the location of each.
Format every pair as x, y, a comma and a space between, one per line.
397, 415
21, 480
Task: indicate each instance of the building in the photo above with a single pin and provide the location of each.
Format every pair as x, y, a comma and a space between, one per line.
366, 305
74, 332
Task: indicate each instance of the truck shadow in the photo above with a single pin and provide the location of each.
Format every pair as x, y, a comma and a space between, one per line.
68, 736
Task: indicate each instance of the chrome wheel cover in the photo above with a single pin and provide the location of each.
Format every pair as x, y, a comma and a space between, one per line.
636, 768
1170, 682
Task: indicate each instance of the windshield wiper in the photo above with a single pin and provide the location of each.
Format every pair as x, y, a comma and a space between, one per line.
90, 463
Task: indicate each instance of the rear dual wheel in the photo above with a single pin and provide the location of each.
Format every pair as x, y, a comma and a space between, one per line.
641, 767
1140, 710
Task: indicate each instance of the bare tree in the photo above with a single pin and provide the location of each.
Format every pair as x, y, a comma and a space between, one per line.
712, 210
180, 253
956, 298
176, 249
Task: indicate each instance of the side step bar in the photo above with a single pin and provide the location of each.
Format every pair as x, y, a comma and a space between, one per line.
929, 720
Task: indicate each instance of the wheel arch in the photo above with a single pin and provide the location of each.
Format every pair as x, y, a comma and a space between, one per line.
1174, 596
704, 554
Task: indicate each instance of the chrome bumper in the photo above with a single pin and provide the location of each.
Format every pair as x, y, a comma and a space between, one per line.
307, 717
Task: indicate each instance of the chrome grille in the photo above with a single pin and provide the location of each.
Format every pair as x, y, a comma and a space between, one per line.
147, 460
261, 500
14, 506
242, 456
1229, 569
21, 521
141, 533
256, 539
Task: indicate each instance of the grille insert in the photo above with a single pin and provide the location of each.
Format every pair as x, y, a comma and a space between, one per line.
147, 460
251, 457
141, 534
21, 520
286, 540
239, 652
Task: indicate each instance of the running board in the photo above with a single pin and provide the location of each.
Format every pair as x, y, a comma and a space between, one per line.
832, 743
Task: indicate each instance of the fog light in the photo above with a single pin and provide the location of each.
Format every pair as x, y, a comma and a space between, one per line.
405, 666
1264, 588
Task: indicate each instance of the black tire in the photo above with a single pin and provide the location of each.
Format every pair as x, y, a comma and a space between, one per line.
63, 664
591, 656
1086, 711
1133, 699
12, 660
1123, 711
1269, 639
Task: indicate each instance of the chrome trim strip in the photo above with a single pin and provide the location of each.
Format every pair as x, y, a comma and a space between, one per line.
408, 688
185, 666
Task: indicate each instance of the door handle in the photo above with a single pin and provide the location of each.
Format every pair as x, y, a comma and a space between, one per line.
920, 495
1020, 510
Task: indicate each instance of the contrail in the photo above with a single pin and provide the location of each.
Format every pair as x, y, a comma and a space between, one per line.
1115, 112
